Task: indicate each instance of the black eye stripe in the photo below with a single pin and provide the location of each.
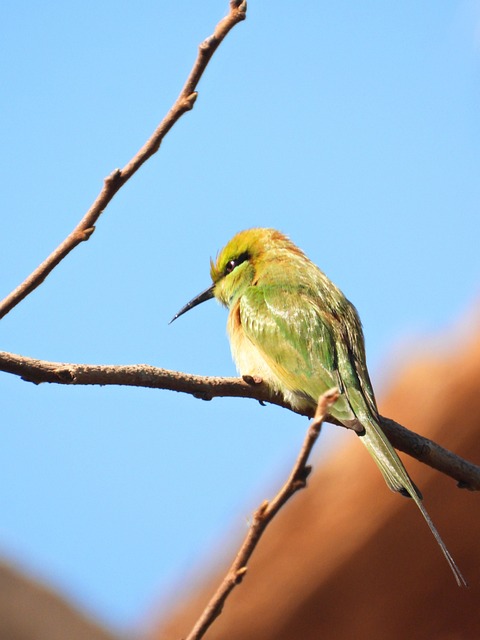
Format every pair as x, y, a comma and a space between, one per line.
232, 264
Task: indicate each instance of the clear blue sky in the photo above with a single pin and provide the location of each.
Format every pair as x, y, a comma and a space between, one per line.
353, 127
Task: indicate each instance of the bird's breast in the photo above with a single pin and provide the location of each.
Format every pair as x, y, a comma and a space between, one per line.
246, 355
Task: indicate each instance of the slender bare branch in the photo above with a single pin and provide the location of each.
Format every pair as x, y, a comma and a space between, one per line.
465, 473
428, 452
119, 177
262, 518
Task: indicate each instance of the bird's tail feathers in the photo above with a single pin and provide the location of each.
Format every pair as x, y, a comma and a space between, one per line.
387, 460
397, 479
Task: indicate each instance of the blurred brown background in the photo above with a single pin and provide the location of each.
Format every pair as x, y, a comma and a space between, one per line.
349, 559
346, 558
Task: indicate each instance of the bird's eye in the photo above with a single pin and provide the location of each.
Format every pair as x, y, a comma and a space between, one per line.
231, 264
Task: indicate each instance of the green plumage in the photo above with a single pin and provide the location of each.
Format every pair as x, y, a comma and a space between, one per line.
291, 326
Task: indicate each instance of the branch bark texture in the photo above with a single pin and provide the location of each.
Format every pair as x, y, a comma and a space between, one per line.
465, 473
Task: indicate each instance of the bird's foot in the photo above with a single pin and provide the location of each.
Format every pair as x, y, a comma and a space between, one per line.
252, 380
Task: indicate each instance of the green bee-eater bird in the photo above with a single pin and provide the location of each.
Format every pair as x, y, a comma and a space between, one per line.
292, 327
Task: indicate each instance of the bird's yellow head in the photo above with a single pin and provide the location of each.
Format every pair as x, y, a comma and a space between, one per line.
238, 264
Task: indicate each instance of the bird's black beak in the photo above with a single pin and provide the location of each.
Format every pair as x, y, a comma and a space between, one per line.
202, 297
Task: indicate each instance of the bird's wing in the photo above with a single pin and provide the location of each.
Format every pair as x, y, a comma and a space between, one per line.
296, 339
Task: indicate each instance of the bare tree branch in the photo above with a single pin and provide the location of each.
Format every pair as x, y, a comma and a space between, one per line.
119, 177
262, 517
465, 473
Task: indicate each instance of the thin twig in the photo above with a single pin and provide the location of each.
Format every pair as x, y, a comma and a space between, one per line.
119, 177
262, 518
465, 473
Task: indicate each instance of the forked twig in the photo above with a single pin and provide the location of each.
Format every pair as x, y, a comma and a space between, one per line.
262, 518
119, 177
